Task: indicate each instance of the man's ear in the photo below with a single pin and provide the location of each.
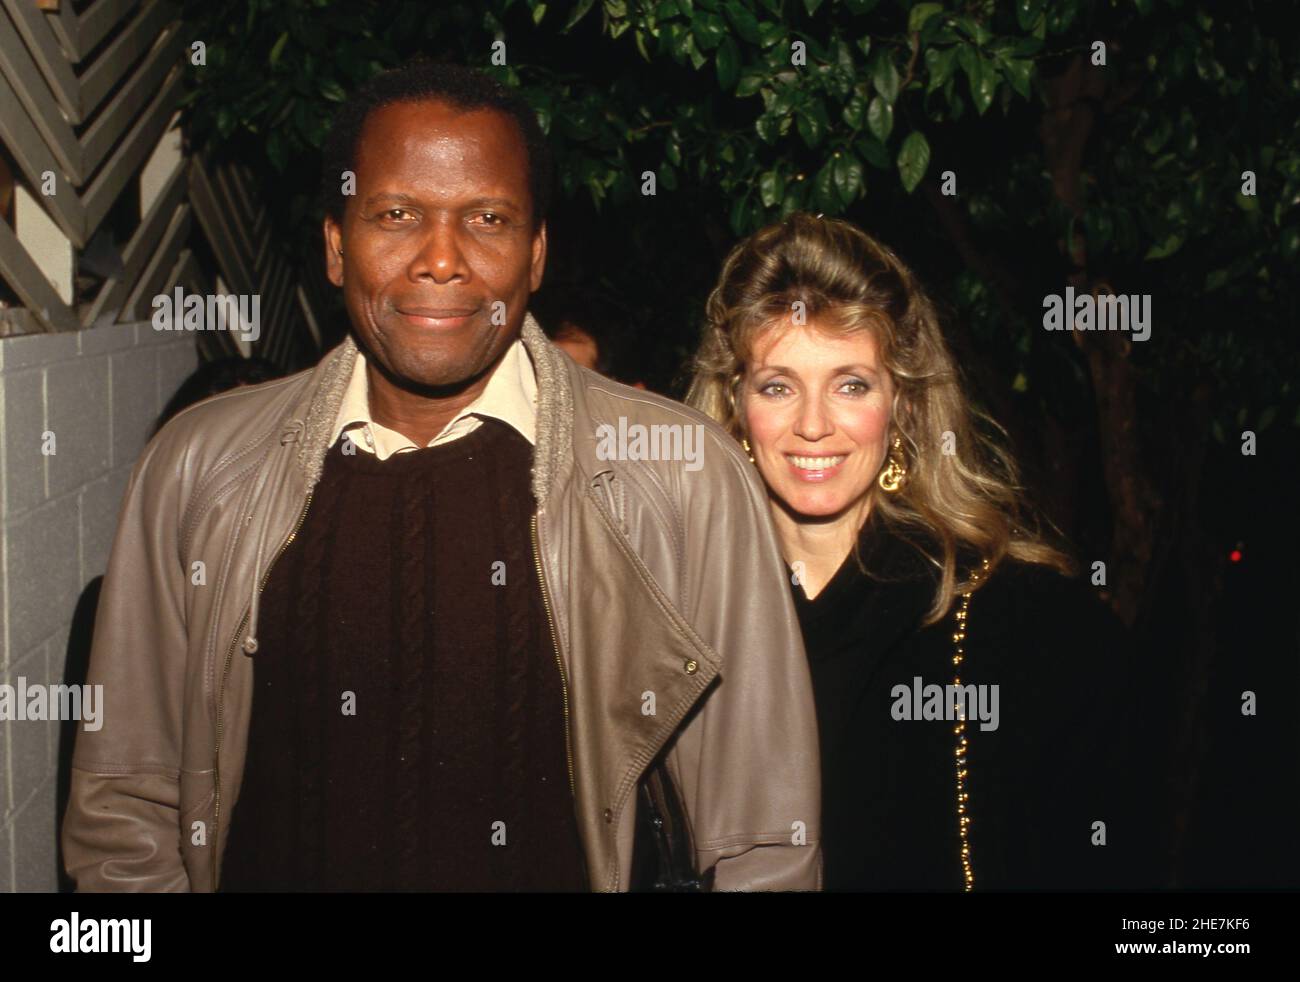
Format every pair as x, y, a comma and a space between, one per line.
333, 251
539, 259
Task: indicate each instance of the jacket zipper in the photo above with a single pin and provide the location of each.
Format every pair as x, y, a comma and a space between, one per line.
555, 645
221, 690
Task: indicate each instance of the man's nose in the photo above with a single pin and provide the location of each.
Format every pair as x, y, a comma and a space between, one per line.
440, 256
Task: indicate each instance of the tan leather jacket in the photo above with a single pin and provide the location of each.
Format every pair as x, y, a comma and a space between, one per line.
656, 579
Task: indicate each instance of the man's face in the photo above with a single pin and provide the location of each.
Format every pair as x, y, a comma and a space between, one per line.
440, 229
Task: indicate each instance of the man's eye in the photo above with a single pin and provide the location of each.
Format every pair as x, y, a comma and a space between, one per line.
395, 213
492, 219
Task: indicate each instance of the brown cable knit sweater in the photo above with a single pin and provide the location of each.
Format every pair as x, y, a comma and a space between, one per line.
455, 721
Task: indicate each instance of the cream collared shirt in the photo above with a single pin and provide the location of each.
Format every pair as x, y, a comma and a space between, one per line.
509, 396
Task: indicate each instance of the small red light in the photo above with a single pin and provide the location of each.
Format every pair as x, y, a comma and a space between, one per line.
1235, 555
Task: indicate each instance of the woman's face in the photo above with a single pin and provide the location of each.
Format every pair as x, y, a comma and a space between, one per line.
816, 409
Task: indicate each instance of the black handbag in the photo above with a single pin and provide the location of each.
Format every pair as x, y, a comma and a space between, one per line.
663, 855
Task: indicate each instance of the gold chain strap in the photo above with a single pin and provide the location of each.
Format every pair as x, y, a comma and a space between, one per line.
963, 819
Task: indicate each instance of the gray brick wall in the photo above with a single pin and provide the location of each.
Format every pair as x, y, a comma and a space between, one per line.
99, 392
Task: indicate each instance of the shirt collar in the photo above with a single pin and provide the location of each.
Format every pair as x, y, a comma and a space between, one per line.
509, 396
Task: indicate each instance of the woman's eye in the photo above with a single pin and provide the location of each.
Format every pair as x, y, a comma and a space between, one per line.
857, 387
771, 389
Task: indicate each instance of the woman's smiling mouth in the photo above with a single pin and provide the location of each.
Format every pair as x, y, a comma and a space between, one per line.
820, 468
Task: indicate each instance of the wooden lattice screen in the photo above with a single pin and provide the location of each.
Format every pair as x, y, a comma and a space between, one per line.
100, 209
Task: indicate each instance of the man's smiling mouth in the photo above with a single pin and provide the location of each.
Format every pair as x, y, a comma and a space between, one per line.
436, 318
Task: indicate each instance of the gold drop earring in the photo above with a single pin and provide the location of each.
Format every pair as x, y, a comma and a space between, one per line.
745, 445
893, 476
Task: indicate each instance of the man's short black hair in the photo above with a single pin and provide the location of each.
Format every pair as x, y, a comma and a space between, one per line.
417, 81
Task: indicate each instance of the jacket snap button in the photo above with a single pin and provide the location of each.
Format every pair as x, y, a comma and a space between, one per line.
692, 666
609, 815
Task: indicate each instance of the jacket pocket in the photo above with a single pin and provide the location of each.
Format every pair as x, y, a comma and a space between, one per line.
609, 491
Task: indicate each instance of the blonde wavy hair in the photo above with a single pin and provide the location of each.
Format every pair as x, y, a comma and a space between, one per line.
848, 281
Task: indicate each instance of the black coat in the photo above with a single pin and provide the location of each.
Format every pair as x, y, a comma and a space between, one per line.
1056, 763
